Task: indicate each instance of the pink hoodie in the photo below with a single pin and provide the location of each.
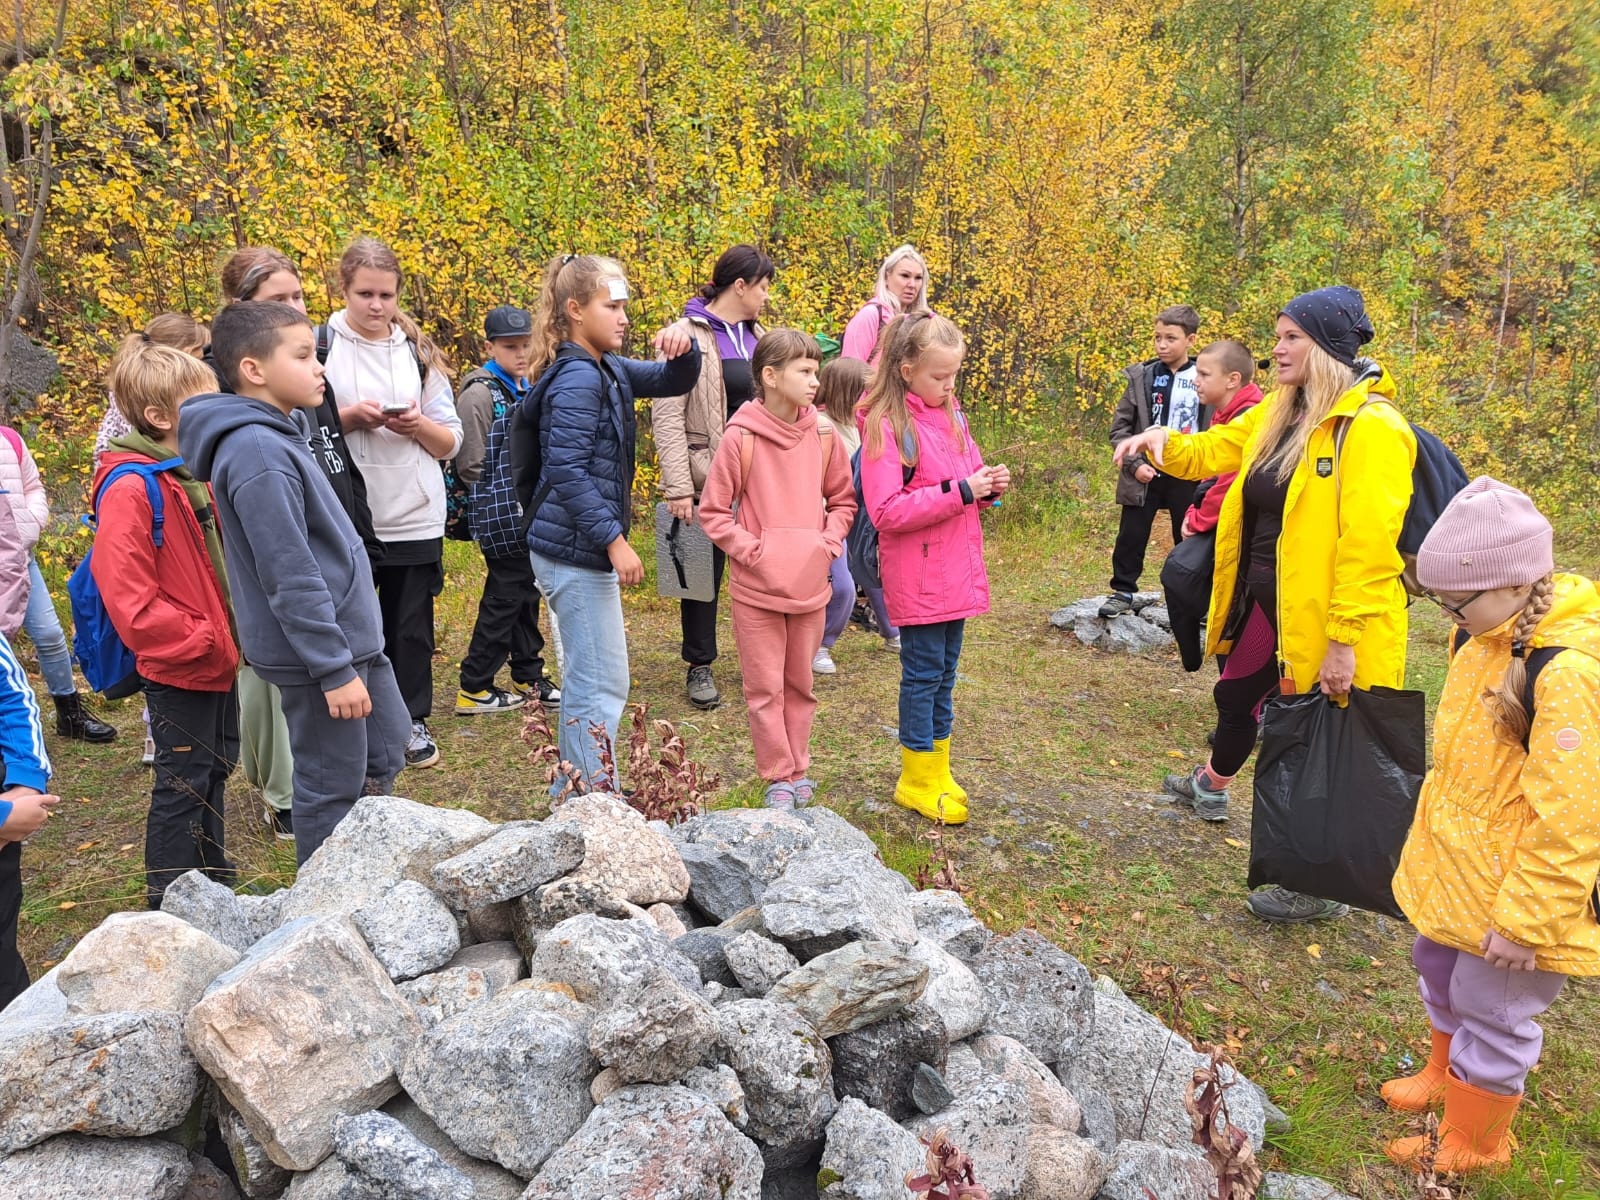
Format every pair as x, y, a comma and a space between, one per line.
930, 540
781, 537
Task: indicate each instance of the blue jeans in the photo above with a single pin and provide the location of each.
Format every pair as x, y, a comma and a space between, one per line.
44, 627
929, 655
594, 672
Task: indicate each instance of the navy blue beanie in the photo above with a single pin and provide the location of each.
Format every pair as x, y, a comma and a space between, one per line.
1335, 318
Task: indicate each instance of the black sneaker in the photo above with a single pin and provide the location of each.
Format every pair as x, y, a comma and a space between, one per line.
421, 750
544, 691
1116, 605
282, 823
703, 689
1280, 906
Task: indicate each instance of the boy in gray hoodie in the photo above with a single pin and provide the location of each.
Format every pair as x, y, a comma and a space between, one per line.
302, 583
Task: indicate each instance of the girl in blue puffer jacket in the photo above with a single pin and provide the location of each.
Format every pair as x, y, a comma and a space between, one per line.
582, 403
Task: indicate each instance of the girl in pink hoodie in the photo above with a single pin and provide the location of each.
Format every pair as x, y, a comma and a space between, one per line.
923, 480
778, 501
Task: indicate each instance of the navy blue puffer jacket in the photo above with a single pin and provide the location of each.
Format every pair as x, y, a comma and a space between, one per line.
587, 435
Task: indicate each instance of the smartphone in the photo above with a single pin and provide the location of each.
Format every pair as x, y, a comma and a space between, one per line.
393, 408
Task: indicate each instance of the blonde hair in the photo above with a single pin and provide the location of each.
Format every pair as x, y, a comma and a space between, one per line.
885, 295
146, 375
1505, 703
1295, 412
904, 343
178, 330
570, 277
374, 255
840, 385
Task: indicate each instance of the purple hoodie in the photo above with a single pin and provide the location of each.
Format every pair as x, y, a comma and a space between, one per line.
733, 341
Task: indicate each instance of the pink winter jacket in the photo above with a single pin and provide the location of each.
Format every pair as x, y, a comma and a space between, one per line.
25, 490
15, 579
930, 540
792, 515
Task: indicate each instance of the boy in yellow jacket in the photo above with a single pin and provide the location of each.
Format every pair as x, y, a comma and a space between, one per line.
1498, 874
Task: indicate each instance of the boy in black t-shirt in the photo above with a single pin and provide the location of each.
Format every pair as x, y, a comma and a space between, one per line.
1160, 391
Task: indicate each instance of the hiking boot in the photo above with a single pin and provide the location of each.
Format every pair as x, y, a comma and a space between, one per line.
779, 795
1280, 906
1187, 789
421, 750
1116, 605
822, 663
73, 721
489, 700
543, 691
703, 689
281, 822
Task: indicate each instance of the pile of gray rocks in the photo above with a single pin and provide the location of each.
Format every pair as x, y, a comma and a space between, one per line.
748, 1006
1146, 628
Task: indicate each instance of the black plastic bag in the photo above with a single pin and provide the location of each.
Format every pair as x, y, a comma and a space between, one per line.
1336, 789
1186, 580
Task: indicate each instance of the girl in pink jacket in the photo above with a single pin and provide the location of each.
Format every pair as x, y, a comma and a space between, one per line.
923, 481
778, 501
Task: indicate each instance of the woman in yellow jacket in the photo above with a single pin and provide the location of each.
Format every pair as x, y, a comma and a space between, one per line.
1307, 590
1498, 875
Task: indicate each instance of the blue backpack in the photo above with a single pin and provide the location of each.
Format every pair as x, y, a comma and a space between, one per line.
106, 662
863, 540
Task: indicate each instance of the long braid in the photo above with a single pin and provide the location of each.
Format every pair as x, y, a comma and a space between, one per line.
1505, 703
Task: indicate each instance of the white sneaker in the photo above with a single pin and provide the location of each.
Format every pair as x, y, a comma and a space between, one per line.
822, 663
892, 644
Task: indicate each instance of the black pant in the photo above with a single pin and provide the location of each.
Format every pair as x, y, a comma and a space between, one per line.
13, 971
700, 619
507, 626
197, 747
1133, 533
405, 597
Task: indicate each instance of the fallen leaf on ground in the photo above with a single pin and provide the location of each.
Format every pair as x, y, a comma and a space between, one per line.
66, 904
1235, 843
89, 845
1314, 950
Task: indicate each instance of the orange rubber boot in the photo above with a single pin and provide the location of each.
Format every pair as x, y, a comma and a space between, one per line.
1424, 1090
1474, 1135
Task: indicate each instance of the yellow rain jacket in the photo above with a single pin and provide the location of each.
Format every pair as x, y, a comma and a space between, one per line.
1338, 568
1505, 840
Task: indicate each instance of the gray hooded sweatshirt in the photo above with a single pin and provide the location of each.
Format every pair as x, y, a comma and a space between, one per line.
302, 582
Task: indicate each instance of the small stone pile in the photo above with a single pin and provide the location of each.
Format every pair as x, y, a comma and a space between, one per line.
1146, 628
748, 1006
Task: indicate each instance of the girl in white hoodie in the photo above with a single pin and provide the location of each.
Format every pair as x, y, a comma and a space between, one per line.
400, 421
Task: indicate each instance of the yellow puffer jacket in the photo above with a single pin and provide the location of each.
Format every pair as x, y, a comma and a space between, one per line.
1505, 840
1338, 568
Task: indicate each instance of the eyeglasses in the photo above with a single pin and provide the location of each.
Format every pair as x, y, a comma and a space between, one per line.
1458, 611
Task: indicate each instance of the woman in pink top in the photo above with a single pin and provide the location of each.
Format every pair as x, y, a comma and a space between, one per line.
930, 541
902, 288
778, 501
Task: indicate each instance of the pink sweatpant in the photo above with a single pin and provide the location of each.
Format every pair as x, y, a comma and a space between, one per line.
775, 653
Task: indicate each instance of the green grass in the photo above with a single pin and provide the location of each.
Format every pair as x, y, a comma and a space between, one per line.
1063, 750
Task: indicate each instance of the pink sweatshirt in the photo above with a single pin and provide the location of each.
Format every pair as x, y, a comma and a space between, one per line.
930, 540
790, 521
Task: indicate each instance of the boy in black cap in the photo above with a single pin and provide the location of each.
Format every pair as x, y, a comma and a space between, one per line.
508, 612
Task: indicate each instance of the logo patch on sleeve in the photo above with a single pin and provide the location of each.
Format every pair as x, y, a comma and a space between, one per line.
1324, 467
1568, 739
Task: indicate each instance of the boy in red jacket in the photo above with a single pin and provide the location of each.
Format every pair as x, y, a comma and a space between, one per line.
169, 604
1222, 380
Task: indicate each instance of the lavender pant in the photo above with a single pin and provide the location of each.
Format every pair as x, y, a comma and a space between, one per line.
843, 602
1488, 1013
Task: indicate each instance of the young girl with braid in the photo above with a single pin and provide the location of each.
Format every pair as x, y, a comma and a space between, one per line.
1498, 875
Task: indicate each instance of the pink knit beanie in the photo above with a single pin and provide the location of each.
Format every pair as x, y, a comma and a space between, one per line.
1489, 536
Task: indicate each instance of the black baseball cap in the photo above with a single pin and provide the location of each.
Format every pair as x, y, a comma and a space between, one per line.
507, 321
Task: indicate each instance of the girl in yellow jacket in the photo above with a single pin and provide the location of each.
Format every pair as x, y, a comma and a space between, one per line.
1307, 589
1498, 875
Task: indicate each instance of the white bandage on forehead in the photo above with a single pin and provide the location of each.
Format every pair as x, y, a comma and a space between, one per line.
618, 288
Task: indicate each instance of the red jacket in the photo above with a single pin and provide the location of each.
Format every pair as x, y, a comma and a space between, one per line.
1203, 516
165, 602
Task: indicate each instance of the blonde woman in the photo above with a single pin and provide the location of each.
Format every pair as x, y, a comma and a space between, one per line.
902, 288
1307, 591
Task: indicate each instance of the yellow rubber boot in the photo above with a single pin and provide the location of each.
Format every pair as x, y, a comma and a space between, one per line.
1424, 1090
1475, 1134
941, 747
922, 788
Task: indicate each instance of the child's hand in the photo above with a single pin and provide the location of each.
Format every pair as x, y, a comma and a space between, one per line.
363, 414
675, 339
406, 424
349, 701
1000, 475
1185, 530
1506, 954
630, 571
981, 482
1152, 441
29, 811
1144, 473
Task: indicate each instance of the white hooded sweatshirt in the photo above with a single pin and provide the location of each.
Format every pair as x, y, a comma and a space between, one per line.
405, 485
